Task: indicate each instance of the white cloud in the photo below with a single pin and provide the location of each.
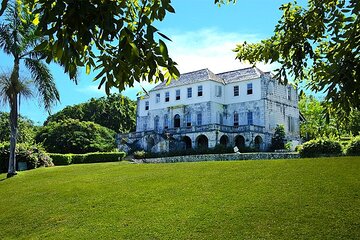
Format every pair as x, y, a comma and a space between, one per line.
205, 48
208, 48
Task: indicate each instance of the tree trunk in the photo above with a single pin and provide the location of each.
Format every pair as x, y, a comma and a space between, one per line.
13, 100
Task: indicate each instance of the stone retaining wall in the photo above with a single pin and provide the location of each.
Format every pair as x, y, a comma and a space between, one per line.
222, 157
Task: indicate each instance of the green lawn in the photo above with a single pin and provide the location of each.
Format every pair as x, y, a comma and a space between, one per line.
279, 199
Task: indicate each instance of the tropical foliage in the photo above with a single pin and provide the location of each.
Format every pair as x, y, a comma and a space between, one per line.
115, 112
18, 39
118, 38
33, 155
317, 125
74, 136
318, 43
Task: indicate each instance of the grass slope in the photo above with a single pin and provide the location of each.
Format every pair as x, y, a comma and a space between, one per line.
280, 199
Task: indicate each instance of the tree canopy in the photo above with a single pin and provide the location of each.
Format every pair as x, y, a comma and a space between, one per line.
118, 38
74, 136
318, 44
115, 112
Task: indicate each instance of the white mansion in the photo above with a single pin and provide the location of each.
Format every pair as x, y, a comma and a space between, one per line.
202, 109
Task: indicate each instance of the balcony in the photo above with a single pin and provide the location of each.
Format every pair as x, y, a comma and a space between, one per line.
216, 127
194, 129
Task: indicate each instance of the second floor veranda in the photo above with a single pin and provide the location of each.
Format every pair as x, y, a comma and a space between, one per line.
195, 129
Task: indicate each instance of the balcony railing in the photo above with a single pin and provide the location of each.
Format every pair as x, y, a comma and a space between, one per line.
193, 129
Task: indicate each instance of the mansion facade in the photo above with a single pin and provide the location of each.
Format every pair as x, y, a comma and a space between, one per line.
201, 109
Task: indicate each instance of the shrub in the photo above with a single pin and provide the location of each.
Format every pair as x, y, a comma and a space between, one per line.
61, 159
354, 146
298, 148
33, 155
321, 147
139, 154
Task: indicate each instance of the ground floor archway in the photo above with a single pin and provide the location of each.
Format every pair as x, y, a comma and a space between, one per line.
258, 142
224, 140
202, 142
187, 141
239, 141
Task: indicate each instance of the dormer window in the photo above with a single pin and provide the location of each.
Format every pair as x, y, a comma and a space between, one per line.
249, 88
167, 97
146, 105
200, 91
177, 94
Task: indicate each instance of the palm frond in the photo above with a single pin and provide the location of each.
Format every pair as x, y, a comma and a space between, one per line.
6, 40
5, 85
10, 88
44, 82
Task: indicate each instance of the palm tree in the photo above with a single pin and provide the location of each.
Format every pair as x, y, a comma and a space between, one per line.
18, 39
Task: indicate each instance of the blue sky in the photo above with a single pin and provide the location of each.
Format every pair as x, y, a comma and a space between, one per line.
203, 36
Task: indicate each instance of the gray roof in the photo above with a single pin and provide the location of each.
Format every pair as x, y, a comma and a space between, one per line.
241, 75
191, 77
206, 75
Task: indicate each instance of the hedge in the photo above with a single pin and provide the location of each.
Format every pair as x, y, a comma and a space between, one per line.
321, 147
61, 159
354, 146
96, 157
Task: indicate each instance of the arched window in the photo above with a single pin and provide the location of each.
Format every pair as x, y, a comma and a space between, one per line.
176, 121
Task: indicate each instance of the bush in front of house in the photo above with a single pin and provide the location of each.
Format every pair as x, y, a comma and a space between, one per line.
278, 140
33, 155
321, 147
353, 147
139, 154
